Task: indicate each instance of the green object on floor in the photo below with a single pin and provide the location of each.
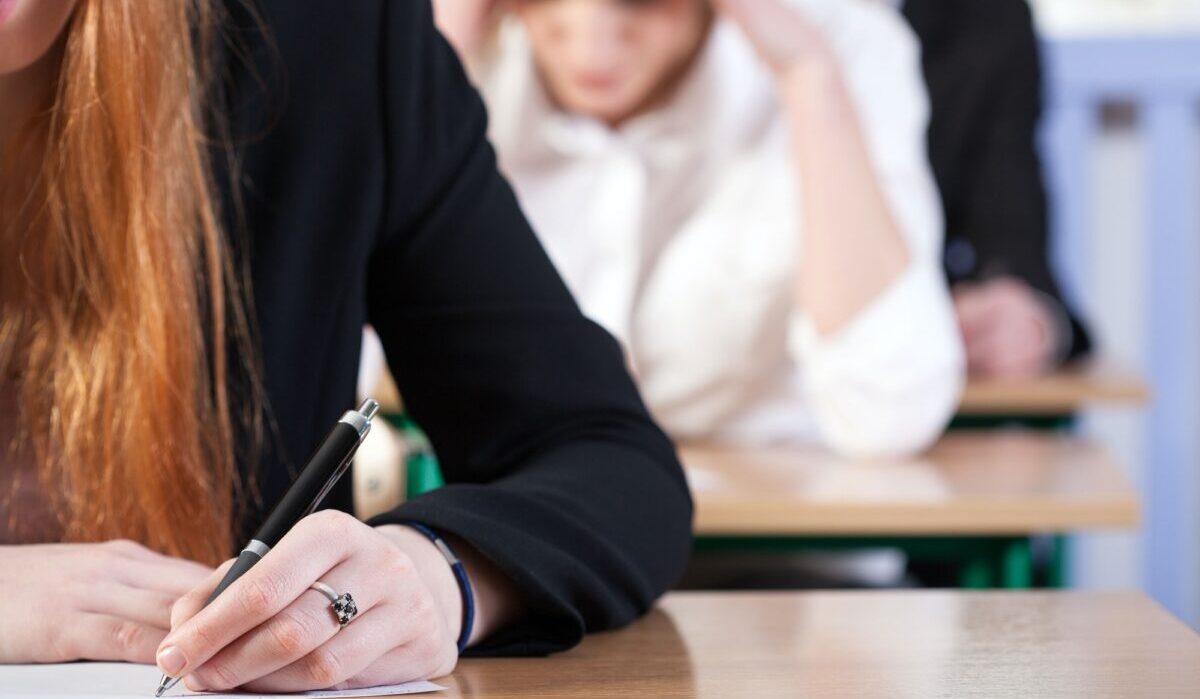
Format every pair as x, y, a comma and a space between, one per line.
1017, 564
1057, 577
976, 573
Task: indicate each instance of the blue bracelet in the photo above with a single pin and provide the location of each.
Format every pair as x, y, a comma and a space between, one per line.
460, 574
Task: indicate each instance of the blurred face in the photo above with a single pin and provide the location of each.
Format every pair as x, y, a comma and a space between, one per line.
611, 59
28, 29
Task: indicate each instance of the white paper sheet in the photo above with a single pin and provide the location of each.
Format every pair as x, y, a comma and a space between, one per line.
123, 681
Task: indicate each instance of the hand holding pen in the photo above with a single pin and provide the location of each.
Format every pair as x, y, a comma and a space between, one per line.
328, 602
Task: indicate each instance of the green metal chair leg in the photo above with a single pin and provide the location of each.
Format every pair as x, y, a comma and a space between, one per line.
1017, 564
976, 573
1058, 562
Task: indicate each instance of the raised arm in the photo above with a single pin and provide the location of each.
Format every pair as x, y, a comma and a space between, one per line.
847, 221
877, 342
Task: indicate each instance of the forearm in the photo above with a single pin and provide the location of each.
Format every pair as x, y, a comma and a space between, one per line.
890, 382
851, 248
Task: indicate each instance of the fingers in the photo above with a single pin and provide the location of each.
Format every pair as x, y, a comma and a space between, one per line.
167, 575
130, 549
1006, 331
302, 627
975, 309
1006, 356
1006, 341
137, 566
371, 651
193, 600
107, 637
313, 547
994, 342
169, 579
335, 659
779, 34
149, 607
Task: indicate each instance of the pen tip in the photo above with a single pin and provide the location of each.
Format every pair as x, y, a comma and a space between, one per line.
164, 684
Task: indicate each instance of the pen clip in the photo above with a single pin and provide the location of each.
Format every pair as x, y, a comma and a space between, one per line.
333, 479
360, 421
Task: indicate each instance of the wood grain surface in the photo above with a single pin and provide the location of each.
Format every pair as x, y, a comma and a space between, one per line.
992, 482
861, 645
1066, 391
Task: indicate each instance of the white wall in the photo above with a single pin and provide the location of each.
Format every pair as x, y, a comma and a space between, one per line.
1089, 17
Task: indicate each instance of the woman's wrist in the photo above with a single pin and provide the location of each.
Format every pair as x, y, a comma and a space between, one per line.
497, 600
460, 576
813, 87
431, 566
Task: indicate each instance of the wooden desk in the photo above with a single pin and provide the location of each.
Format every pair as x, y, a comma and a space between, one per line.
970, 483
864, 645
974, 500
1061, 393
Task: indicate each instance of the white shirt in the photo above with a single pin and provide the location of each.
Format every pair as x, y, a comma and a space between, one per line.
678, 232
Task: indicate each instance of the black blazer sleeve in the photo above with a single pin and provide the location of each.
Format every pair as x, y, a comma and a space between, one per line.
555, 471
982, 66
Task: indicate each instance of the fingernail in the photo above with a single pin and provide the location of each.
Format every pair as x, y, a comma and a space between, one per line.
171, 661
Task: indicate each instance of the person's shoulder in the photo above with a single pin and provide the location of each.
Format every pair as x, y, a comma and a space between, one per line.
971, 26
317, 42
326, 29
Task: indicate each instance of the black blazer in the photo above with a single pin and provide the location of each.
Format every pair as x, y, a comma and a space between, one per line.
981, 64
369, 194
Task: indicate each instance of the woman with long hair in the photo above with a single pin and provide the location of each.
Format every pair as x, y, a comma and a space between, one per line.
200, 207
739, 191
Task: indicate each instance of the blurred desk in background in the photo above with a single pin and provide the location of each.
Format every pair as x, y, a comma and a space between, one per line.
976, 497
826, 645
994, 483
1061, 393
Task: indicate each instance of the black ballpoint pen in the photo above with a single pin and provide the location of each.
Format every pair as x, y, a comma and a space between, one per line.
323, 470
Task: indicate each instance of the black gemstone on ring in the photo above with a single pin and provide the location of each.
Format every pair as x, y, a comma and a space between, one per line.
344, 608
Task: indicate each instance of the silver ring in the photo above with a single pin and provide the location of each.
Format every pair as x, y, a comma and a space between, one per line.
343, 607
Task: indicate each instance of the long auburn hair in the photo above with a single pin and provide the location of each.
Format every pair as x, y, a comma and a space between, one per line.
119, 328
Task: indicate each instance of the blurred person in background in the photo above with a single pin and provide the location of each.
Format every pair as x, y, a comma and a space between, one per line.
740, 192
982, 67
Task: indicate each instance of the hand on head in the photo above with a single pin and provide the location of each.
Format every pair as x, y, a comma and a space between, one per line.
782, 35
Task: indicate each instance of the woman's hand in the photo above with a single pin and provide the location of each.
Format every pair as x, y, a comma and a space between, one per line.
1009, 332
464, 22
784, 38
110, 601
268, 632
